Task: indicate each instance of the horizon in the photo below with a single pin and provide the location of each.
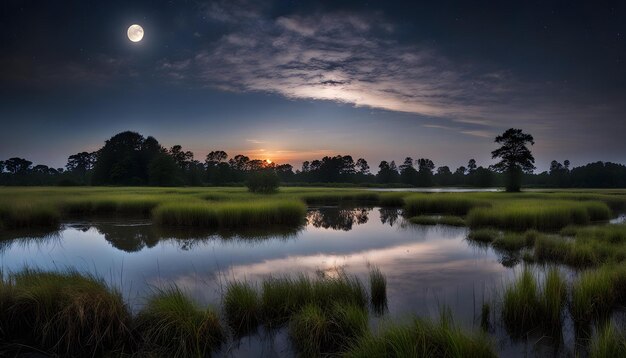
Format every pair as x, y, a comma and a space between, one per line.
293, 82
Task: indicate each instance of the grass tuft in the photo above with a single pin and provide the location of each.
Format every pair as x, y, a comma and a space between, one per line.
242, 307
173, 325
378, 289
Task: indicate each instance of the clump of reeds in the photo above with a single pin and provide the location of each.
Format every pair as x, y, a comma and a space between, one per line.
452, 204
282, 297
483, 235
608, 342
378, 289
242, 307
230, 214
526, 306
171, 324
544, 216
28, 214
319, 332
422, 338
66, 313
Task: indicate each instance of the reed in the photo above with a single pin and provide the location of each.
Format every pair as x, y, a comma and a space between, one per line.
65, 313
231, 214
608, 342
172, 325
438, 220
422, 338
378, 289
242, 307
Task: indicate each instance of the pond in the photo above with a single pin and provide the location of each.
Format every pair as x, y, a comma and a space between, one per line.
427, 267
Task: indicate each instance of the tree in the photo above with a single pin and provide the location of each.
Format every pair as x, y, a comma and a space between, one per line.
387, 173
17, 165
515, 157
471, 166
263, 182
163, 171
425, 172
362, 166
216, 157
182, 158
408, 174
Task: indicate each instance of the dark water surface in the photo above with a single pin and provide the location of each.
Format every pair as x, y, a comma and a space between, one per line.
427, 267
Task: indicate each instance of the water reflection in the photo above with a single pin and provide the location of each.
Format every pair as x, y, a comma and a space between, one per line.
338, 218
426, 266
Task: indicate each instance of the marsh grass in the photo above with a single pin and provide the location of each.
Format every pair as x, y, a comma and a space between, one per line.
608, 342
452, 204
65, 312
538, 215
449, 220
422, 338
378, 290
172, 325
25, 215
485, 317
597, 292
231, 214
242, 307
319, 332
282, 297
484, 235
526, 306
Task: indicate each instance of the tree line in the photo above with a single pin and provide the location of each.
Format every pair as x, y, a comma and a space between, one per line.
128, 158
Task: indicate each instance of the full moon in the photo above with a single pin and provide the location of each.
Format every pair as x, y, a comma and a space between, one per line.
135, 33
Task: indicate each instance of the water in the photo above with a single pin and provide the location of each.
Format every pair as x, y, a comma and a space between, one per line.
427, 267
440, 190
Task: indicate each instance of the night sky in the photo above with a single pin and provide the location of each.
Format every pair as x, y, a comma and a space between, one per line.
295, 80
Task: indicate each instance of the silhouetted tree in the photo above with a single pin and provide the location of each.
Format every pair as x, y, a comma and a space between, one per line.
444, 176
80, 164
425, 172
515, 157
362, 166
263, 181
216, 157
387, 173
182, 158
471, 165
408, 174
17, 165
163, 171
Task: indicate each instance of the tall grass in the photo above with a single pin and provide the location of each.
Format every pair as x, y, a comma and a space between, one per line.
422, 338
242, 307
282, 297
317, 332
378, 289
483, 235
24, 214
231, 214
172, 325
65, 312
608, 342
453, 204
526, 306
543, 216
597, 292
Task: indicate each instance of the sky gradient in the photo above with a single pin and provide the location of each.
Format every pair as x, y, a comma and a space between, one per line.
294, 80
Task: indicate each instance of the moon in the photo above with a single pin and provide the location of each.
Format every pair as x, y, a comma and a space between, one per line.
135, 33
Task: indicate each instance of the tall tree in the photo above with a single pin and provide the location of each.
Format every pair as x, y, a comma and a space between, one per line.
515, 157
362, 167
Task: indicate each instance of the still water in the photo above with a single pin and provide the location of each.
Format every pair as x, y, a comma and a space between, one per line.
427, 267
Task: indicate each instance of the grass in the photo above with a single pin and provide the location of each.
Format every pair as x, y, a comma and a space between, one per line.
378, 289
527, 306
172, 325
608, 342
597, 292
453, 204
449, 220
538, 215
64, 312
422, 338
231, 215
483, 235
242, 307
282, 297
317, 332
26, 215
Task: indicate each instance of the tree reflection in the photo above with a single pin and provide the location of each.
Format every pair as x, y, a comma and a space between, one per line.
389, 215
338, 218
